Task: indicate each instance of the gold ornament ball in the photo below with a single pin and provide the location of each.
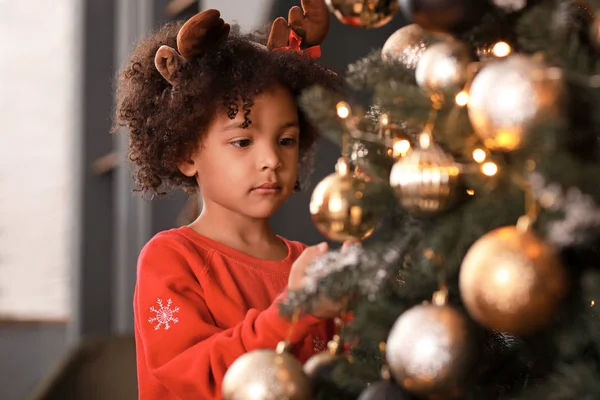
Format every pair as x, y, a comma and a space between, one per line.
512, 281
406, 46
426, 181
364, 13
430, 351
266, 375
342, 207
443, 67
508, 96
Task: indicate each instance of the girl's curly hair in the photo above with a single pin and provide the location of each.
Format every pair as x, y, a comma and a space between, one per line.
166, 122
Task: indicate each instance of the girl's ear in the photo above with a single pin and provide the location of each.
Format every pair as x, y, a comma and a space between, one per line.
188, 168
167, 60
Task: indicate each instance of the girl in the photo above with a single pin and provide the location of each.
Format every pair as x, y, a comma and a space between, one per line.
215, 111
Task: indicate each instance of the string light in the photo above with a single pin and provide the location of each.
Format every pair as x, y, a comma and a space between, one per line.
462, 98
489, 168
479, 155
425, 140
501, 49
385, 120
343, 109
401, 147
470, 192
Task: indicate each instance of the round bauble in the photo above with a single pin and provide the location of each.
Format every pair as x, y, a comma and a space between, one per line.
510, 95
443, 67
431, 350
266, 375
426, 181
450, 16
512, 281
364, 14
406, 46
320, 363
344, 205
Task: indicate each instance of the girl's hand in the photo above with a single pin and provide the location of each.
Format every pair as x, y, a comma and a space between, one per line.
326, 308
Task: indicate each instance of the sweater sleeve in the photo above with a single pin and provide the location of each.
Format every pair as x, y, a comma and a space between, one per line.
183, 348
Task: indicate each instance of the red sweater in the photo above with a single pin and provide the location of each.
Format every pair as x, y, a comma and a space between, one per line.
199, 305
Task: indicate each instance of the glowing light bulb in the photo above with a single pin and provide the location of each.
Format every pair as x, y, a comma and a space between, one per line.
425, 140
470, 192
501, 49
343, 109
479, 155
384, 119
462, 98
489, 168
401, 147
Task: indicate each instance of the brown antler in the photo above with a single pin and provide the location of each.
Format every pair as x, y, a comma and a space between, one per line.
201, 32
311, 23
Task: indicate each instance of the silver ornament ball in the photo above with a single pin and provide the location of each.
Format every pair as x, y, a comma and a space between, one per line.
406, 46
431, 350
510, 95
443, 67
266, 375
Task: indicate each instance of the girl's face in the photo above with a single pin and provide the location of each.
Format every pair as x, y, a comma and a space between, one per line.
250, 171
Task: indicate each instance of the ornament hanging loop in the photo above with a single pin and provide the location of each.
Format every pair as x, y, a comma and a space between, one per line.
344, 112
440, 296
532, 206
284, 345
385, 368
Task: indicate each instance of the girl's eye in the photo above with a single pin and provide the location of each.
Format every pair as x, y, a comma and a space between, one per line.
287, 141
241, 143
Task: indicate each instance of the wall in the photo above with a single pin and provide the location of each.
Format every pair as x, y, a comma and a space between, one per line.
39, 188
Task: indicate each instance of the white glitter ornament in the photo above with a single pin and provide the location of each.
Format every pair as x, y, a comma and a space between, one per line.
430, 351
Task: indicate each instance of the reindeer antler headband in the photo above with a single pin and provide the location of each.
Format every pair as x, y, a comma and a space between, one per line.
304, 31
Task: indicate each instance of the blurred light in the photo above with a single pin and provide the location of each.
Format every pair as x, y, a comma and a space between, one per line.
501, 49
341, 168
592, 303
425, 140
343, 109
336, 204
462, 98
479, 155
470, 192
489, 169
384, 119
401, 147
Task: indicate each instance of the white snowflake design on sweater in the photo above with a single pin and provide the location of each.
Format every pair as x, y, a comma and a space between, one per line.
164, 315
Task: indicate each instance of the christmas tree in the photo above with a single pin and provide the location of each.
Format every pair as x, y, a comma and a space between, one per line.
471, 180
